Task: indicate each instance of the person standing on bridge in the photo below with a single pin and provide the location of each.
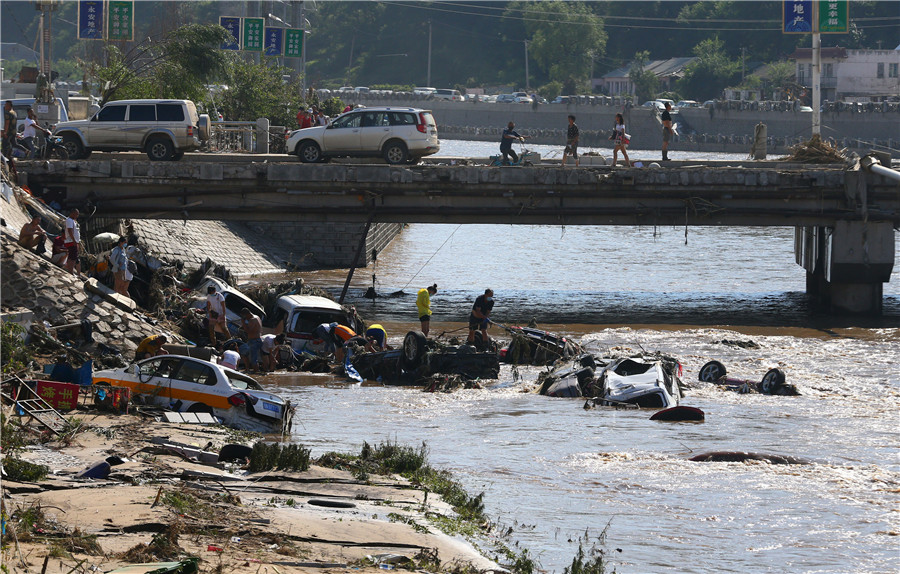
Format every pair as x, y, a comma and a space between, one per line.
620, 140
509, 135
423, 305
571, 142
666, 119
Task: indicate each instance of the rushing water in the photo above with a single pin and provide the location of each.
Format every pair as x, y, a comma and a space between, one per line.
553, 470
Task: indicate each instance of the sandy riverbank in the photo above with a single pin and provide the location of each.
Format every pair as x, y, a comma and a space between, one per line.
234, 521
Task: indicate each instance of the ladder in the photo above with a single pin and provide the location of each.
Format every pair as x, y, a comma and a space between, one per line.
36, 407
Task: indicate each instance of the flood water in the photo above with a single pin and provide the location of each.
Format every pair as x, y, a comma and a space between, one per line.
553, 471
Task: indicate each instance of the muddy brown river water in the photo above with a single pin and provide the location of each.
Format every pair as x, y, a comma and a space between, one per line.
553, 471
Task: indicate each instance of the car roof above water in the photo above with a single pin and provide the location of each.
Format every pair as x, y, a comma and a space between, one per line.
308, 302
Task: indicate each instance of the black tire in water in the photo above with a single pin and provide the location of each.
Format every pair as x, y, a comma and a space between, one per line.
712, 372
234, 453
772, 381
413, 350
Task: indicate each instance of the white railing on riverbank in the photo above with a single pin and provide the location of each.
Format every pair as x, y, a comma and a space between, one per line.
244, 137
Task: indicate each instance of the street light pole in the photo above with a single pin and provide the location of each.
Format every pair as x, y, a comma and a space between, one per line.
527, 84
428, 77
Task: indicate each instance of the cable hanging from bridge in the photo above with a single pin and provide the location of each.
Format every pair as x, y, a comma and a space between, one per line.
432, 256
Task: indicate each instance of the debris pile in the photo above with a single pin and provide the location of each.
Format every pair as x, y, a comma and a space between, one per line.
816, 151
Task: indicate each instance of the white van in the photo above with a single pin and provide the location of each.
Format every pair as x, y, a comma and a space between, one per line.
297, 316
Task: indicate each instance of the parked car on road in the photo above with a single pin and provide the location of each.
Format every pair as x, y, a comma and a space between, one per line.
506, 99
449, 95
164, 129
562, 100
361, 90
399, 135
687, 104
188, 384
424, 91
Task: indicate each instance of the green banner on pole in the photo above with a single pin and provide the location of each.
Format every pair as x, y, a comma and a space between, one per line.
120, 24
834, 16
293, 43
253, 34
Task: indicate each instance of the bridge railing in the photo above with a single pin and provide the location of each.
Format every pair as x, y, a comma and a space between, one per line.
244, 137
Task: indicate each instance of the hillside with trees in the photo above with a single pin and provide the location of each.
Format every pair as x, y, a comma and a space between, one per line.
475, 44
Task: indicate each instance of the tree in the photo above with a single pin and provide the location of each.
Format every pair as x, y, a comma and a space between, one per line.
710, 73
645, 82
564, 37
258, 91
178, 66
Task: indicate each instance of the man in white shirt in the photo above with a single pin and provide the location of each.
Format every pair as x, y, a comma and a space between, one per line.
215, 313
269, 342
73, 238
31, 130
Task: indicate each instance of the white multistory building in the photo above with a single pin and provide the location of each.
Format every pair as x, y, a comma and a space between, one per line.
852, 75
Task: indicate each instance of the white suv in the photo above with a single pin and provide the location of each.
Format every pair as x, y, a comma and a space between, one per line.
164, 129
451, 95
399, 135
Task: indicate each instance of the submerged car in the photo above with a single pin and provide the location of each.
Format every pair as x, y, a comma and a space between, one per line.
645, 381
399, 135
297, 316
188, 384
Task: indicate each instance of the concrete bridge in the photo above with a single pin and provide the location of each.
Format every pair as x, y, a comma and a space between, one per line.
844, 217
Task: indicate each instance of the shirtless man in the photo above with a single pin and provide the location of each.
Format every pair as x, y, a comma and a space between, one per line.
252, 325
32, 234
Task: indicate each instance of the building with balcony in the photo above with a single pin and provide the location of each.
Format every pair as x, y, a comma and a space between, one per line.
852, 75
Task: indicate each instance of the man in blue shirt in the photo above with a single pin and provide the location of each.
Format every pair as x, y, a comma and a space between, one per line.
509, 135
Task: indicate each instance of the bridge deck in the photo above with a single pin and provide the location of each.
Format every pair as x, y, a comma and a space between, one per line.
686, 193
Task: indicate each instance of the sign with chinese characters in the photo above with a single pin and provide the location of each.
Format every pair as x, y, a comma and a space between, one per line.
274, 41
798, 16
90, 20
253, 34
833, 17
233, 25
293, 43
120, 25
60, 396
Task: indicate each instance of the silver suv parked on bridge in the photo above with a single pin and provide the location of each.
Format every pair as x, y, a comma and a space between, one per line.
399, 135
164, 129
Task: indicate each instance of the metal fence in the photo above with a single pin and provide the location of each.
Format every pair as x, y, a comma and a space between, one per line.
244, 137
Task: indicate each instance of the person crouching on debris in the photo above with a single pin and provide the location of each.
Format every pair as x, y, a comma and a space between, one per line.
269, 343
32, 235
151, 347
230, 357
376, 338
423, 304
479, 318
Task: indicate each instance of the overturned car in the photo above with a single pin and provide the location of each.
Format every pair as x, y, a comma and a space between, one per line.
650, 381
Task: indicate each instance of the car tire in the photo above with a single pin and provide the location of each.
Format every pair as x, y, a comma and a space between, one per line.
414, 347
203, 127
772, 381
395, 152
309, 152
160, 150
73, 146
712, 372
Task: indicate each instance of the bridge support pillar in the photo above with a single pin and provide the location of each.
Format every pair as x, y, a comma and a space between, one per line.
847, 265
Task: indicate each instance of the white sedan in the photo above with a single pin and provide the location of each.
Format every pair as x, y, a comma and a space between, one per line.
187, 384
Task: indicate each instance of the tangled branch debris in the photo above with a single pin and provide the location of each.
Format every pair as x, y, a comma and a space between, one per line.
816, 151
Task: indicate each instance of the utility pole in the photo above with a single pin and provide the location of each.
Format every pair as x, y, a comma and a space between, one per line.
46, 7
527, 85
428, 77
743, 67
817, 69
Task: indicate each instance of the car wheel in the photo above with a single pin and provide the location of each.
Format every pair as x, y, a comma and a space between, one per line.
395, 152
309, 152
160, 150
771, 381
413, 350
712, 372
73, 146
200, 408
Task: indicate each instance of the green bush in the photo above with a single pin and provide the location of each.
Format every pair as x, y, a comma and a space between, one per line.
268, 456
14, 355
23, 471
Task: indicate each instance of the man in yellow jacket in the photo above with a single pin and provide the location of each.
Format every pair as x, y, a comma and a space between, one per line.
423, 304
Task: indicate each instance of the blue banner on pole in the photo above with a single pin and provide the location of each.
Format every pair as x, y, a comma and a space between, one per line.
274, 45
90, 20
798, 16
233, 25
